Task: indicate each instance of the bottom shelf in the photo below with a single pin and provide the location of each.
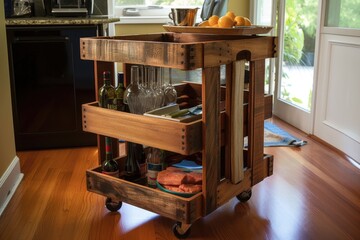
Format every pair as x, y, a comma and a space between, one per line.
186, 210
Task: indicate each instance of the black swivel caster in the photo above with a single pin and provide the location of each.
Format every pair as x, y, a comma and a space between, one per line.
244, 196
181, 231
112, 206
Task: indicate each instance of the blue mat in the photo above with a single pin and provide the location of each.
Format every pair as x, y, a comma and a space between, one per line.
275, 136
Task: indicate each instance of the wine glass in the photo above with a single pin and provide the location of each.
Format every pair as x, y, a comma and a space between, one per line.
132, 92
170, 93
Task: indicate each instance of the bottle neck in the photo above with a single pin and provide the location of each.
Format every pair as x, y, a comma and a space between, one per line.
135, 75
120, 80
108, 149
107, 82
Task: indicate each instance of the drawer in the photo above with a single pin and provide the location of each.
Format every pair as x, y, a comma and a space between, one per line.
181, 209
182, 138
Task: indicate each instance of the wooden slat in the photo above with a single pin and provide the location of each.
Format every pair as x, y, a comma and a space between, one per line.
177, 208
237, 137
211, 136
256, 120
161, 54
225, 52
183, 138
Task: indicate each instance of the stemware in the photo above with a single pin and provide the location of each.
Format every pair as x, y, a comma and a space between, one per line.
132, 92
170, 94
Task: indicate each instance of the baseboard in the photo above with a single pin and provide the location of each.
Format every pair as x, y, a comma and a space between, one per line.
9, 182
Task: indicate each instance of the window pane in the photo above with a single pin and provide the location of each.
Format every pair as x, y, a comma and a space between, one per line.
343, 13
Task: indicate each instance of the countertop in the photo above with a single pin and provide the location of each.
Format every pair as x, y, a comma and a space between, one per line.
92, 20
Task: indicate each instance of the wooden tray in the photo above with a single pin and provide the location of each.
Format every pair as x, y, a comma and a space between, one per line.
178, 208
178, 137
242, 30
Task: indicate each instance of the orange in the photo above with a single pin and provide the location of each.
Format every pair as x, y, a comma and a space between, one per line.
247, 21
230, 14
213, 20
225, 22
204, 24
239, 21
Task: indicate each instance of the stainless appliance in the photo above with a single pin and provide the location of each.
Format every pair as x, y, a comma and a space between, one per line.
68, 8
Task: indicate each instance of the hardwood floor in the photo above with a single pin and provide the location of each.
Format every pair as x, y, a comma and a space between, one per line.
314, 193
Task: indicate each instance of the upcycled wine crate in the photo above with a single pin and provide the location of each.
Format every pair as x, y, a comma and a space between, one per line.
212, 135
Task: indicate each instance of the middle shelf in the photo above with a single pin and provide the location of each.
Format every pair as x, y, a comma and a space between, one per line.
179, 137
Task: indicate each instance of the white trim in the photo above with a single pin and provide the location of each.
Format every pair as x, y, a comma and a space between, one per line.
146, 15
9, 182
143, 20
341, 31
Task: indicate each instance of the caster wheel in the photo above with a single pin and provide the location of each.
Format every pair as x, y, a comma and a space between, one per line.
244, 196
112, 206
179, 232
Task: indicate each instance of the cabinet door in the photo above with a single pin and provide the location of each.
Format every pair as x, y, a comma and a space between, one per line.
49, 84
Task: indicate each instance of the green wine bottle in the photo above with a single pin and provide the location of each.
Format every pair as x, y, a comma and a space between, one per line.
119, 93
109, 166
107, 93
132, 167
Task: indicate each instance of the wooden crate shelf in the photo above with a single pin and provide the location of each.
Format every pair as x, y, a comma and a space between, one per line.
182, 138
174, 207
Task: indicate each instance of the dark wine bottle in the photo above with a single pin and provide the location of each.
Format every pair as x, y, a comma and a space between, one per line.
109, 166
132, 168
107, 93
119, 93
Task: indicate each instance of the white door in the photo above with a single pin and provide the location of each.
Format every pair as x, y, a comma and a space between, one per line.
337, 114
295, 27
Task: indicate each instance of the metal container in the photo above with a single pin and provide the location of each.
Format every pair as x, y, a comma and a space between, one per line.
183, 16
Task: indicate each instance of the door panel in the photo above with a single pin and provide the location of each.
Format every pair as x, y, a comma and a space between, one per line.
337, 115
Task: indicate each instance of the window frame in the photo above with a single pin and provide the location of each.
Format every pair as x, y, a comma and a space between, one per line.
148, 14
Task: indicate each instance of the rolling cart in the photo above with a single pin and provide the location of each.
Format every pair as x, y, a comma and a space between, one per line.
230, 112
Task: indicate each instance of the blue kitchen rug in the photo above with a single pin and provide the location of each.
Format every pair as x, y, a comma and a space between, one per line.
277, 137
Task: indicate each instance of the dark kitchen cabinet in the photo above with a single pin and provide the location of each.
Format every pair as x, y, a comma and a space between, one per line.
49, 82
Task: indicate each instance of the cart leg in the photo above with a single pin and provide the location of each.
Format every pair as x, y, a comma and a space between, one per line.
181, 230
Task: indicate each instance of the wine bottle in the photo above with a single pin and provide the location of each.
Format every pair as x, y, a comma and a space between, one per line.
132, 167
155, 164
119, 93
109, 166
107, 93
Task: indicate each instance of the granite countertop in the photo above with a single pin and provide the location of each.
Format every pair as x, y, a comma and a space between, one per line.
92, 20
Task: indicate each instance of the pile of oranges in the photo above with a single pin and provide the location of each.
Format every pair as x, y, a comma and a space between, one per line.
229, 20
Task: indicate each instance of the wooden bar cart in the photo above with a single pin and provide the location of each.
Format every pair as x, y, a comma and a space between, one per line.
229, 113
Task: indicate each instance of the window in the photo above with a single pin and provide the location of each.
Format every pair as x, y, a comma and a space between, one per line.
150, 11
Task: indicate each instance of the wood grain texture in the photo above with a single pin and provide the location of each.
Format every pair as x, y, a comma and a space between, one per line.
182, 51
255, 120
211, 136
185, 210
183, 138
314, 193
161, 53
237, 122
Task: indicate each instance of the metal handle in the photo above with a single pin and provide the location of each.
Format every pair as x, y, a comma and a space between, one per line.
42, 39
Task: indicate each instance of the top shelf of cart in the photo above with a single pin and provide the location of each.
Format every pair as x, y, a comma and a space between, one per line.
186, 51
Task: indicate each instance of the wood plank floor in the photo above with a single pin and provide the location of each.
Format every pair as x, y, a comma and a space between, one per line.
314, 193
